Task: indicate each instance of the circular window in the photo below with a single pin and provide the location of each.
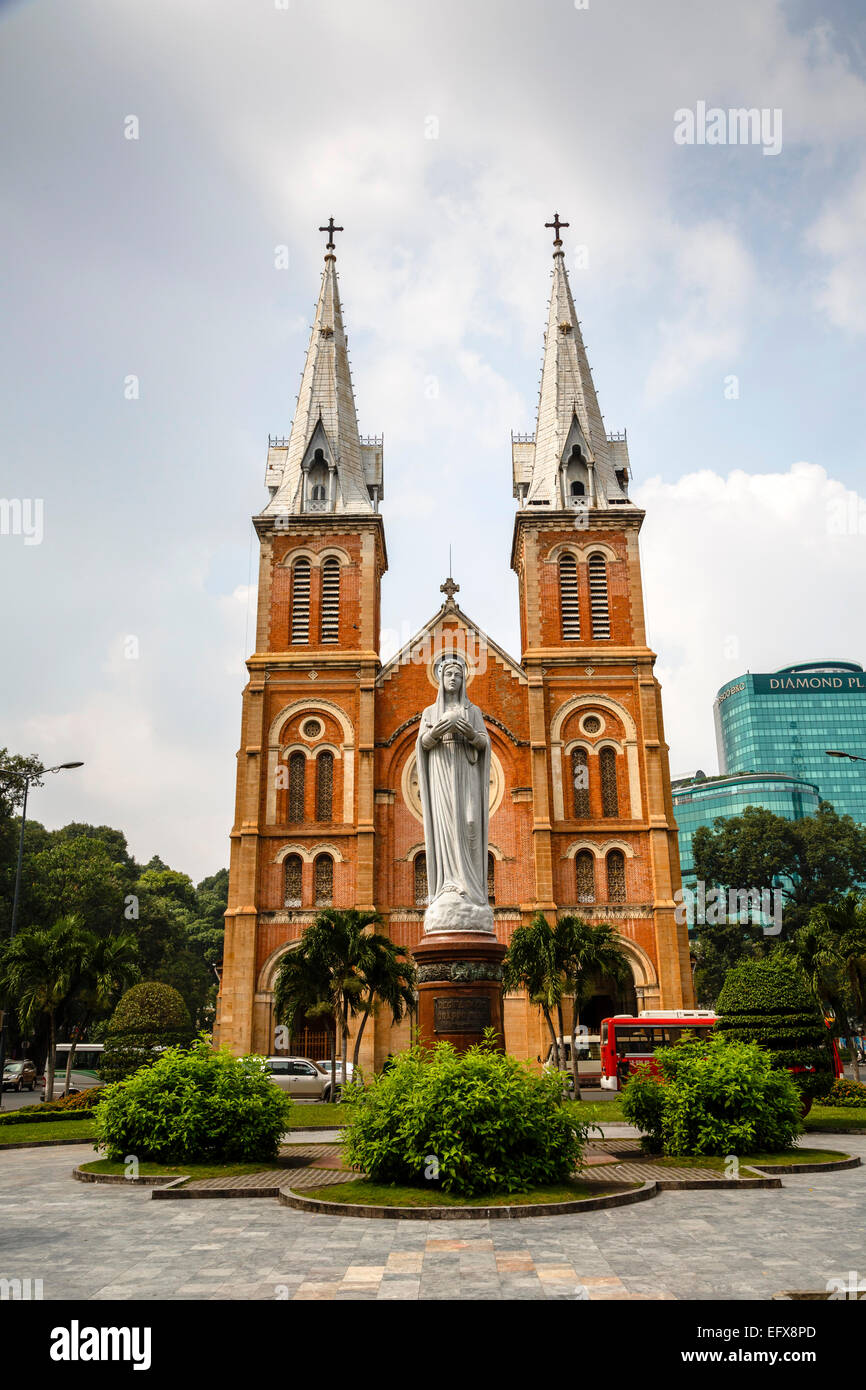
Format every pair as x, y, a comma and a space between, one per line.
312, 728
591, 724
412, 792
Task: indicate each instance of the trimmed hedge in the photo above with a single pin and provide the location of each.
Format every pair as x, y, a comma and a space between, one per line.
149, 1018
768, 1002
851, 1094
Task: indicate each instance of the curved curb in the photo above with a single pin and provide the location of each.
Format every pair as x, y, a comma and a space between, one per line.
835, 1166
120, 1179
288, 1198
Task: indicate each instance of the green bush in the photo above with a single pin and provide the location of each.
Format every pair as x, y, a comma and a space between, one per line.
75, 1107
476, 1122
845, 1092
711, 1096
149, 1018
769, 1002
193, 1105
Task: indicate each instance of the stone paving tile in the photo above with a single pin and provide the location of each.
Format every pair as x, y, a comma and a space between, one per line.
100, 1243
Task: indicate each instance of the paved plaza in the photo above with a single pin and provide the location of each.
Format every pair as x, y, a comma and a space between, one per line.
87, 1241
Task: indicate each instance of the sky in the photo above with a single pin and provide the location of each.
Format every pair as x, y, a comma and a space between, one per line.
164, 171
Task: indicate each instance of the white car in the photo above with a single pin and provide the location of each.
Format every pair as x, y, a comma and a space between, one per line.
588, 1058
299, 1077
326, 1068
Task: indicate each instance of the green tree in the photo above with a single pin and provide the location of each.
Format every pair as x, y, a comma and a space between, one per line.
842, 925
150, 1017
108, 966
769, 1002
531, 964
585, 952
302, 991
388, 978
40, 970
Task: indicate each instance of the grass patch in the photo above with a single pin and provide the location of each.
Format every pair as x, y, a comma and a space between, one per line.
830, 1118
597, 1112
46, 1131
111, 1167
322, 1115
763, 1160
363, 1193
797, 1156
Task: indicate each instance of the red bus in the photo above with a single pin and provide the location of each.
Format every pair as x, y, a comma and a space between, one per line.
627, 1040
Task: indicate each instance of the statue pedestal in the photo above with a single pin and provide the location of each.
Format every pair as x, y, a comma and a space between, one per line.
459, 988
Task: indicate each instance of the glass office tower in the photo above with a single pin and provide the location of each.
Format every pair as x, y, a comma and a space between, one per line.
787, 719
699, 799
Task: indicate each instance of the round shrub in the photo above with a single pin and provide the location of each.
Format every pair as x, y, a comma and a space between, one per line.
851, 1094
711, 1096
473, 1123
194, 1105
769, 1002
149, 1018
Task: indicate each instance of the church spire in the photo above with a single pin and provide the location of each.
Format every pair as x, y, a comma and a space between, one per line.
571, 458
324, 466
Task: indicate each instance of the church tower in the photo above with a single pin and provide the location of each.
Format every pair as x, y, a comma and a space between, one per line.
303, 830
604, 840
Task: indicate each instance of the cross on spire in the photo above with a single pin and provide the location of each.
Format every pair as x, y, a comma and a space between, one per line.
449, 589
555, 224
331, 229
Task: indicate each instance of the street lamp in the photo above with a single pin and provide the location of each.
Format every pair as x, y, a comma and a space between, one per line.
837, 753
26, 778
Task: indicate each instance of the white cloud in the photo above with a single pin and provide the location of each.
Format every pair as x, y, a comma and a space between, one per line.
839, 235
745, 572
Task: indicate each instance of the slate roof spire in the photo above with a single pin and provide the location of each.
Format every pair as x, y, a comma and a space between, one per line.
324, 466
569, 424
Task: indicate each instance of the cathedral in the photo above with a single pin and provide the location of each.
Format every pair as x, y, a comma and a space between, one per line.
328, 811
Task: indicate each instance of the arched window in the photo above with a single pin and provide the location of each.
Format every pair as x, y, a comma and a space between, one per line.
609, 797
576, 488
323, 881
293, 869
421, 890
317, 483
297, 774
491, 877
580, 780
331, 599
301, 600
585, 869
598, 596
324, 786
616, 876
568, 599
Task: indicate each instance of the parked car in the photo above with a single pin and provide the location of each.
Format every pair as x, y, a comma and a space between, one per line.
17, 1075
326, 1068
299, 1077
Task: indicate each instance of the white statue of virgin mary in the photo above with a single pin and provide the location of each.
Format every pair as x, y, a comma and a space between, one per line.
453, 759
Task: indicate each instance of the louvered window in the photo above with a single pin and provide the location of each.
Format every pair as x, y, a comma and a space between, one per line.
323, 879
568, 598
598, 596
616, 876
580, 779
609, 797
585, 866
297, 773
324, 786
491, 877
331, 600
292, 878
301, 600
421, 890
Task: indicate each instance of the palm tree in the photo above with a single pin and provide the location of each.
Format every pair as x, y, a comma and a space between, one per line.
530, 963
108, 967
843, 923
40, 970
583, 952
388, 978
302, 991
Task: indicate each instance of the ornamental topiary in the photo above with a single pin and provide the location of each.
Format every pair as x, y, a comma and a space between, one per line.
769, 1002
710, 1096
471, 1123
149, 1018
194, 1105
